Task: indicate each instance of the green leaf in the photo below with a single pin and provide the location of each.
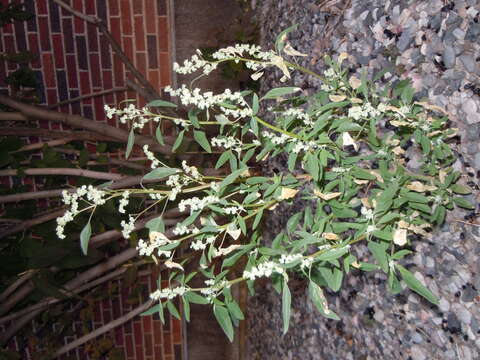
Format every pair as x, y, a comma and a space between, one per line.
313, 166
379, 252
258, 217
286, 305
293, 222
460, 189
383, 234
388, 217
223, 318
194, 298
179, 140
152, 310
235, 310
414, 284
173, 310
160, 173
332, 254
201, 138
280, 91
362, 174
292, 159
223, 158
232, 177
186, 308
85, 237
161, 103
156, 224
130, 141
158, 135
192, 116
318, 298
280, 40
463, 203
255, 104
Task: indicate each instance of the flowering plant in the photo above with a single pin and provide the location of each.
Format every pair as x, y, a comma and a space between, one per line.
350, 149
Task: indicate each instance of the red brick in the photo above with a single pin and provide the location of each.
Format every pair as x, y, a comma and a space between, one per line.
58, 51
163, 33
115, 29
8, 28
158, 352
137, 7
42, 8
48, 70
85, 87
98, 106
91, 148
128, 46
154, 78
10, 48
72, 72
107, 79
95, 70
119, 339
141, 62
177, 331
149, 16
52, 98
147, 323
44, 30
33, 47
139, 353
113, 8
139, 34
157, 332
118, 72
167, 343
148, 344
92, 36
126, 17
129, 346
90, 7
164, 69
79, 24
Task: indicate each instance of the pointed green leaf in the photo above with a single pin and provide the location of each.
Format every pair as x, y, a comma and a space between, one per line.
161, 103
160, 173
223, 318
318, 298
414, 284
130, 141
85, 237
158, 135
173, 310
201, 138
280, 91
179, 140
286, 305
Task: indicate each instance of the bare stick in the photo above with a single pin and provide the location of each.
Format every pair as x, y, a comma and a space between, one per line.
77, 121
64, 171
12, 116
30, 223
87, 96
111, 325
40, 145
52, 134
24, 277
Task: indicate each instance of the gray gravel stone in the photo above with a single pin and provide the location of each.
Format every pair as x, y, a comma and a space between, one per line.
473, 32
405, 39
449, 57
469, 62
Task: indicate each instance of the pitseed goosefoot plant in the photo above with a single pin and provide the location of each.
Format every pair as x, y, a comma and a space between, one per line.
347, 148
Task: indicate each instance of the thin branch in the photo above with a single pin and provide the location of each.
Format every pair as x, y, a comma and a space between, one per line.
24, 277
53, 134
111, 325
87, 96
30, 223
40, 145
120, 162
63, 171
12, 116
77, 121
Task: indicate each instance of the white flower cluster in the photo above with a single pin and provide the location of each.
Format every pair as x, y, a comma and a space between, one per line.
264, 269
208, 99
245, 50
307, 262
233, 210
277, 139
86, 193
370, 229
183, 230
155, 163
123, 202
227, 142
192, 171
303, 146
368, 213
176, 183
168, 293
157, 240
290, 258
200, 245
194, 64
340, 170
196, 203
366, 110
128, 226
213, 289
299, 114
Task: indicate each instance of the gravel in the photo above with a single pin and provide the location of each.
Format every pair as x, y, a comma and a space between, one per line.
435, 44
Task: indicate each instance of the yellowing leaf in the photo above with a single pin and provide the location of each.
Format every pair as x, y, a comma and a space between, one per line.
337, 98
155, 235
442, 174
271, 208
326, 197
399, 123
348, 140
227, 250
400, 237
289, 50
420, 187
233, 231
365, 201
330, 236
431, 107
173, 265
257, 76
288, 193
342, 57
354, 82
398, 151
356, 100
280, 63
360, 182
403, 224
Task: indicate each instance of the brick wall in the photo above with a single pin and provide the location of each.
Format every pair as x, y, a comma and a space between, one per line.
74, 59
